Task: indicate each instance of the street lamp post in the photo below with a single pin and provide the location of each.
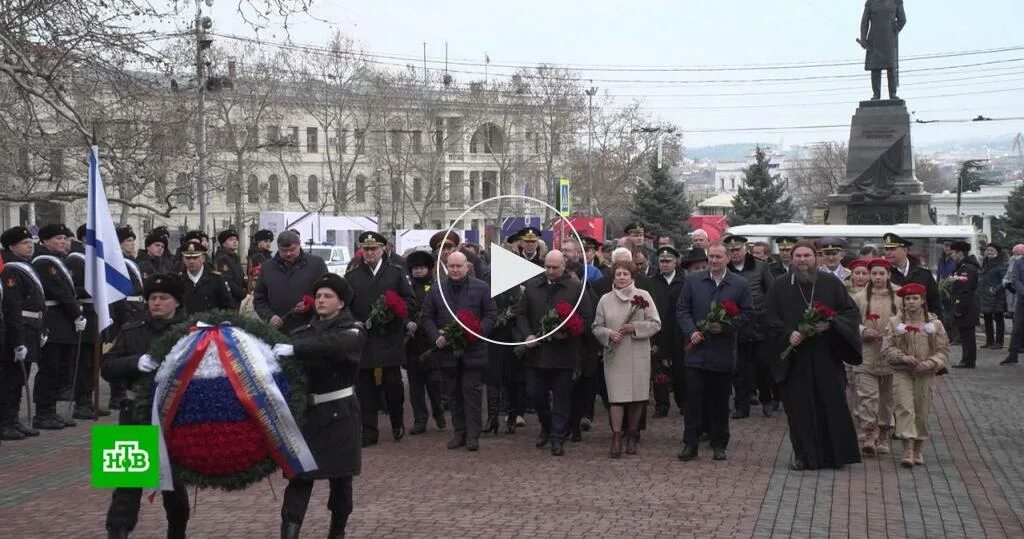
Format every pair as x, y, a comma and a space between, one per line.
590, 149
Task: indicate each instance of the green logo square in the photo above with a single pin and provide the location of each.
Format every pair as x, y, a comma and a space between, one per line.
125, 456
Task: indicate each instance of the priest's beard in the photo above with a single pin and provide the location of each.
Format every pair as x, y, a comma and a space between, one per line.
805, 275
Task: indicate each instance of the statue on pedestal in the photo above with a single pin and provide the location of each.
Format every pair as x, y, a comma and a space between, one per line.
880, 28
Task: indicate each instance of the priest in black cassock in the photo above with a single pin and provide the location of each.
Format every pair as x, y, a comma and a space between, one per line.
813, 379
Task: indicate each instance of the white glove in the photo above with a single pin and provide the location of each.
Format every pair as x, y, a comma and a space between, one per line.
20, 353
80, 324
146, 363
281, 350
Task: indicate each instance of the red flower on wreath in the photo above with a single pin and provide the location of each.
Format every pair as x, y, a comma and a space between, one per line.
731, 308
871, 317
396, 304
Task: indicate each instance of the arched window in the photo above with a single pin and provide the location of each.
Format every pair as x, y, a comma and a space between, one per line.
360, 188
273, 189
254, 189
183, 189
293, 188
233, 192
313, 189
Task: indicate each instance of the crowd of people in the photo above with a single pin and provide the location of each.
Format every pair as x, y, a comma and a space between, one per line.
847, 344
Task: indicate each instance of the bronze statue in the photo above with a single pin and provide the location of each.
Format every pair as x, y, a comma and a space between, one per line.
879, 35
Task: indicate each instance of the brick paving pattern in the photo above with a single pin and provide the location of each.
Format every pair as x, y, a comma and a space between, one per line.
971, 486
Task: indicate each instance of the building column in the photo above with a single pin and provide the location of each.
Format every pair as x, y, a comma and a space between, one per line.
986, 227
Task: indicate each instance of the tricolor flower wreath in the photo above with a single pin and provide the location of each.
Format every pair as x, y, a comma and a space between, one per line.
212, 438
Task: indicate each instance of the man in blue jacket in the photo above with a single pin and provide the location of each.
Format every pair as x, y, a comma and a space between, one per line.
712, 360
462, 369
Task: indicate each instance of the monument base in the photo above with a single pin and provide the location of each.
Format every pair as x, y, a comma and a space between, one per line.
897, 209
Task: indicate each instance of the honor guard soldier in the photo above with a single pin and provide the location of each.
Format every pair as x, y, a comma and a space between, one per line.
780, 266
134, 306
83, 370
127, 360
229, 264
529, 248
77, 242
154, 260
262, 240
205, 289
385, 349
23, 308
906, 269
832, 251
63, 322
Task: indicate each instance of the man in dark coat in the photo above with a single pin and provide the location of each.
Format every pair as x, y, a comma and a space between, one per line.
551, 362
584, 389
261, 247
385, 348
152, 261
966, 302
328, 348
424, 375
205, 289
229, 264
812, 378
752, 371
780, 266
64, 322
712, 360
284, 279
529, 247
123, 365
669, 343
906, 269
462, 371
23, 310
83, 383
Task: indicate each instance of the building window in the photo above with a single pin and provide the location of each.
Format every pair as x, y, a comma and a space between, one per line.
490, 183
360, 135
293, 188
455, 189
439, 135
254, 189
182, 188
273, 134
732, 183
396, 141
293, 136
312, 145
343, 141
57, 163
417, 190
360, 188
474, 182
233, 193
273, 189
417, 142
312, 189
252, 136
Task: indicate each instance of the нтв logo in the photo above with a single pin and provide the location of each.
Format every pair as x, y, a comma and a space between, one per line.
125, 456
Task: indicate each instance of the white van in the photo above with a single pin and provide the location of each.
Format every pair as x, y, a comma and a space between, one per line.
335, 256
927, 239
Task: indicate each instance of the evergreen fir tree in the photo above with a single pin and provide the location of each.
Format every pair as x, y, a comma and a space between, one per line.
660, 204
1013, 222
762, 198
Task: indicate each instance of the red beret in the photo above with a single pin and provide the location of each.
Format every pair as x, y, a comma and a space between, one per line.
880, 263
857, 263
912, 289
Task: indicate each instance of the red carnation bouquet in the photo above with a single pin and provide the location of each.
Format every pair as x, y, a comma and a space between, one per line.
455, 332
306, 305
818, 312
721, 313
870, 317
387, 309
637, 304
562, 312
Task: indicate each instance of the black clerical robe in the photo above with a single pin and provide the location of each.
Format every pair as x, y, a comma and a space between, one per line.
813, 379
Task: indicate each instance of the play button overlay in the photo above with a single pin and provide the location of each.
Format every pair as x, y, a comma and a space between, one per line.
508, 270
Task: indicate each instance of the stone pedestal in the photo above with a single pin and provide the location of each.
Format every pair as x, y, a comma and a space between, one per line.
880, 187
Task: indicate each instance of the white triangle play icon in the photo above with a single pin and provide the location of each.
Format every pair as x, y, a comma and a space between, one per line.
509, 269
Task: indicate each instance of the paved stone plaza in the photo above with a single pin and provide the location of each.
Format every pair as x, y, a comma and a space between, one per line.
971, 486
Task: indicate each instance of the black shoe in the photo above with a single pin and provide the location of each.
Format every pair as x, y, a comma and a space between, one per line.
84, 412
740, 414
338, 523
986, 346
49, 421
768, 408
367, 442
1010, 360
398, 432
11, 433
417, 428
510, 424
440, 422
492, 424
963, 365
457, 441
290, 530
996, 346
543, 439
27, 431
472, 445
719, 454
797, 465
576, 435
557, 449
585, 424
689, 452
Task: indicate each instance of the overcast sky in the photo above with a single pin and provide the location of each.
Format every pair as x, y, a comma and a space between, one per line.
712, 33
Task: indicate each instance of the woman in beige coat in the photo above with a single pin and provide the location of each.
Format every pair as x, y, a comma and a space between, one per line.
872, 379
626, 320
917, 347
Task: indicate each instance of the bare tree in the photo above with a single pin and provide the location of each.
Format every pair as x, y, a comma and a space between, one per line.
812, 180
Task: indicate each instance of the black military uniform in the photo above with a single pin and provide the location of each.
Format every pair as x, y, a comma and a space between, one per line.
84, 384
134, 306
209, 291
915, 273
78, 240
966, 303
229, 265
530, 234
23, 309
258, 255
121, 366
329, 351
669, 343
64, 311
385, 349
785, 243
424, 376
152, 265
